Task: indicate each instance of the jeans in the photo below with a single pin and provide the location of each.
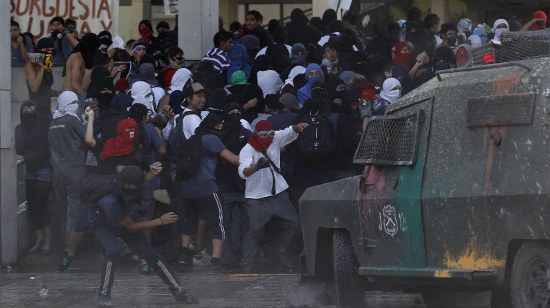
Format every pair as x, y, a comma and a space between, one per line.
114, 240
259, 212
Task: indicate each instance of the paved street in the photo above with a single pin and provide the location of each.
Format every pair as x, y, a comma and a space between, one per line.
77, 287
214, 290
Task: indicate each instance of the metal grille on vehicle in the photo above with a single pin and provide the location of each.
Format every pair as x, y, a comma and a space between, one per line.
512, 109
514, 46
523, 45
390, 140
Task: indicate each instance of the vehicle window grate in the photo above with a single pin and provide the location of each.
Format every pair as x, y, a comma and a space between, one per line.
390, 140
514, 109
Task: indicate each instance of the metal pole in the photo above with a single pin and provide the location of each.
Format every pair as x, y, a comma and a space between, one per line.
8, 171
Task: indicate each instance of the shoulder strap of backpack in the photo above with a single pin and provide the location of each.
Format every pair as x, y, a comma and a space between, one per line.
264, 153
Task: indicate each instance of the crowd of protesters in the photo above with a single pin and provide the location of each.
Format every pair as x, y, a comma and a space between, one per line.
251, 103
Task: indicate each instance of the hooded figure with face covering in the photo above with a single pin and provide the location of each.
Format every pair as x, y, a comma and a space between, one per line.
300, 31
32, 149
499, 26
69, 139
391, 92
266, 191
40, 79
142, 90
117, 226
313, 73
234, 136
237, 56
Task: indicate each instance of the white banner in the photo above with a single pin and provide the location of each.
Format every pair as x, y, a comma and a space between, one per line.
90, 15
339, 4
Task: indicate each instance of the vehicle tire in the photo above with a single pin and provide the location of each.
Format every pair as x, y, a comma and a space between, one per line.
530, 276
348, 285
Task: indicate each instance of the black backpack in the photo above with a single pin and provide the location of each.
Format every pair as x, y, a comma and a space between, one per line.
94, 186
317, 141
142, 149
185, 153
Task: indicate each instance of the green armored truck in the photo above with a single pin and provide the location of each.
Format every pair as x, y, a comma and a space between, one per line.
455, 192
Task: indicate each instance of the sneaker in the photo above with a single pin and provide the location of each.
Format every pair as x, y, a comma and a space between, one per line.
104, 301
145, 270
36, 247
201, 258
187, 297
220, 269
186, 260
46, 250
65, 263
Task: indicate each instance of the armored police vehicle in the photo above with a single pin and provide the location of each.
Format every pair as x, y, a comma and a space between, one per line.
455, 192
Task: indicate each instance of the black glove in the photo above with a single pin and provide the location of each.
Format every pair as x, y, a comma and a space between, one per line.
263, 162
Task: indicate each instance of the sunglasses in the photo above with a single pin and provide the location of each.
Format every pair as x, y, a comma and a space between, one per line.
265, 134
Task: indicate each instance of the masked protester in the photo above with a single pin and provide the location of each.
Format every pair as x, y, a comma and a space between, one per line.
32, 149
146, 35
79, 63
401, 54
266, 191
313, 73
499, 26
117, 226
101, 86
67, 136
200, 194
40, 78
105, 39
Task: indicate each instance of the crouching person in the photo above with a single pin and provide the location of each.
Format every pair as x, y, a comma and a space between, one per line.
116, 226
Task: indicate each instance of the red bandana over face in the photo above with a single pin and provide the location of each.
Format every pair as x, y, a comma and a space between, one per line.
145, 34
123, 144
261, 144
402, 54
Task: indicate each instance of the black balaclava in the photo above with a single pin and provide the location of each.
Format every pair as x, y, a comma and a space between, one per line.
46, 42
88, 47
28, 119
105, 40
208, 125
231, 127
130, 175
104, 99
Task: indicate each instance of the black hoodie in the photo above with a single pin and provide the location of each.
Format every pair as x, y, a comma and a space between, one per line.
31, 139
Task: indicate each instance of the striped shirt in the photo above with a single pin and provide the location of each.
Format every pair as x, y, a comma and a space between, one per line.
218, 58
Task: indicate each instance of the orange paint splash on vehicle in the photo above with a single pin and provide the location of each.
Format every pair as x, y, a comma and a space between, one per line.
472, 259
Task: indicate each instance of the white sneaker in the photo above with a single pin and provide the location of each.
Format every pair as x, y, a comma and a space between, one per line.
201, 258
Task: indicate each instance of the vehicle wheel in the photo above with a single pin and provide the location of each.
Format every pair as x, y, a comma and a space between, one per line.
349, 287
531, 276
